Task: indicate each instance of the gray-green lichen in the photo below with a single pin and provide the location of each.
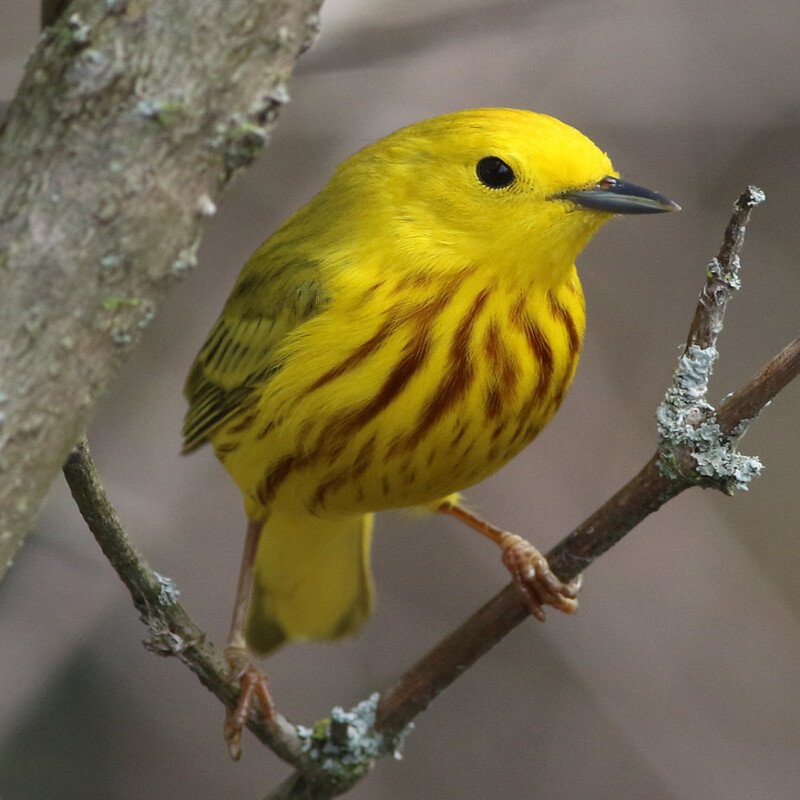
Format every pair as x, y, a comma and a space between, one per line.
167, 112
116, 302
185, 261
206, 207
731, 278
241, 139
111, 261
752, 197
121, 338
80, 31
147, 316
741, 429
687, 422
279, 93
346, 745
169, 593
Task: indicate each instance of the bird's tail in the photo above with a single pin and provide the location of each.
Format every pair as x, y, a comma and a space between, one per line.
312, 579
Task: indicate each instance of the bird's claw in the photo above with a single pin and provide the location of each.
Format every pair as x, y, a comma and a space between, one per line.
532, 574
253, 684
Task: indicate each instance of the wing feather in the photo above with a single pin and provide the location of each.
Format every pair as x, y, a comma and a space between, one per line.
275, 293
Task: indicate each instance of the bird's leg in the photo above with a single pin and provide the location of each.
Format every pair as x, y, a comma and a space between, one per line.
528, 567
251, 679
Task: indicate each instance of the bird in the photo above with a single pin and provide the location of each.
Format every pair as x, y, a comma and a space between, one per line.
398, 339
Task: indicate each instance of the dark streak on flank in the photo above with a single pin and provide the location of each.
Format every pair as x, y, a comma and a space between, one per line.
330, 449
267, 429
396, 316
301, 441
413, 280
502, 374
458, 377
243, 424
542, 354
355, 358
421, 279
560, 313
539, 345
558, 395
371, 291
532, 431
357, 469
494, 401
272, 481
462, 429
415, 354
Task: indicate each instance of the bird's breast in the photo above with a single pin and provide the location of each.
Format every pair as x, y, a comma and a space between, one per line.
424, 387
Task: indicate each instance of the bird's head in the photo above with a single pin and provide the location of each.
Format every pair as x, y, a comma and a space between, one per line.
504, 186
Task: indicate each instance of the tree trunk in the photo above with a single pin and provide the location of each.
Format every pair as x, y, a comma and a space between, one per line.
130, 120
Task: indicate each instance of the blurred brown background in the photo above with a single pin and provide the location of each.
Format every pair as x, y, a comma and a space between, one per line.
679, 676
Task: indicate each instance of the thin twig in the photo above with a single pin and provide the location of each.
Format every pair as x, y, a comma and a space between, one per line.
739, 410
722, 278
172, 631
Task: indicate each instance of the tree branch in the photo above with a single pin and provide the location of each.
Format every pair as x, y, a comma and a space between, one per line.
743, 407
130, 120
722, 277
172, 631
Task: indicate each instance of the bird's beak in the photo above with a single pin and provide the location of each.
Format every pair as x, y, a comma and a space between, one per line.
620, 197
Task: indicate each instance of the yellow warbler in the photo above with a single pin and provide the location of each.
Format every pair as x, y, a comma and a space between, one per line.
399, 338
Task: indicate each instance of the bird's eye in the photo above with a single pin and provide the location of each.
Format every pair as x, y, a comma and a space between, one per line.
494, 172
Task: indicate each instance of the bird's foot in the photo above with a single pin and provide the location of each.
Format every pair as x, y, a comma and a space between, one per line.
534, 578
253, 684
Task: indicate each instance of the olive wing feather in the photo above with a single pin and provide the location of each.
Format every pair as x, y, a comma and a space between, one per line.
272, 297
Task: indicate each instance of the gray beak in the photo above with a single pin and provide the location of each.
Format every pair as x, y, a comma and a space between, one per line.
620, 197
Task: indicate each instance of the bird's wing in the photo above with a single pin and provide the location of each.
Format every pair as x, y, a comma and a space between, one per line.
274, 294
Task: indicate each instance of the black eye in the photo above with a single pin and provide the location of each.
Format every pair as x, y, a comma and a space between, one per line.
494, 172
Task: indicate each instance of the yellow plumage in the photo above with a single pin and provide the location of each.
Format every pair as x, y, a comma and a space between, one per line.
398, 339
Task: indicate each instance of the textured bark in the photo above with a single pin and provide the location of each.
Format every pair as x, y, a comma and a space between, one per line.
130, 120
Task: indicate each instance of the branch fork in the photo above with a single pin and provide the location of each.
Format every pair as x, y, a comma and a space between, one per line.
693, 448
